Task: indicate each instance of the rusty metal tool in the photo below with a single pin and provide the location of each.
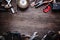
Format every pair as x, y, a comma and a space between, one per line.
39, 4
9, 4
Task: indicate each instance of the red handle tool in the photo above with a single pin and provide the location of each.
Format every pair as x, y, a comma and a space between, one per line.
47, 9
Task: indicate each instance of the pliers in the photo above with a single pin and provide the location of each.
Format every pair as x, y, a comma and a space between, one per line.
48, 7
40, 3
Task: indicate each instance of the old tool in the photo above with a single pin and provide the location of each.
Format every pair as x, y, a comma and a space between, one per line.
33, 3
39, 4
2, 38
29, 37
51, 35
33, 36
48, 8
2, 8
56, 5
9, 5
12, 36
0, 2
23, 4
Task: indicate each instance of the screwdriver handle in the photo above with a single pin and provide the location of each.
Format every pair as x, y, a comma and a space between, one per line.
47, 9
12, 10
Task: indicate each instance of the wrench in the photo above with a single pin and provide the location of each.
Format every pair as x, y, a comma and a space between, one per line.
33, 36
8, 1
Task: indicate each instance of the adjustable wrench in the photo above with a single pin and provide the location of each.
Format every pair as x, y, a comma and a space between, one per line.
9, 4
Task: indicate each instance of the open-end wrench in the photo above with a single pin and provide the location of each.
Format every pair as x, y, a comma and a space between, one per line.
9, 4
8, 1
33, 36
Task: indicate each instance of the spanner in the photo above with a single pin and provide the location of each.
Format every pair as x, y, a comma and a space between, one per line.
8, 1
33, 36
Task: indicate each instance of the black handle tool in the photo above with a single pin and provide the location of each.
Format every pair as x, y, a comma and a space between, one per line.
40, 3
